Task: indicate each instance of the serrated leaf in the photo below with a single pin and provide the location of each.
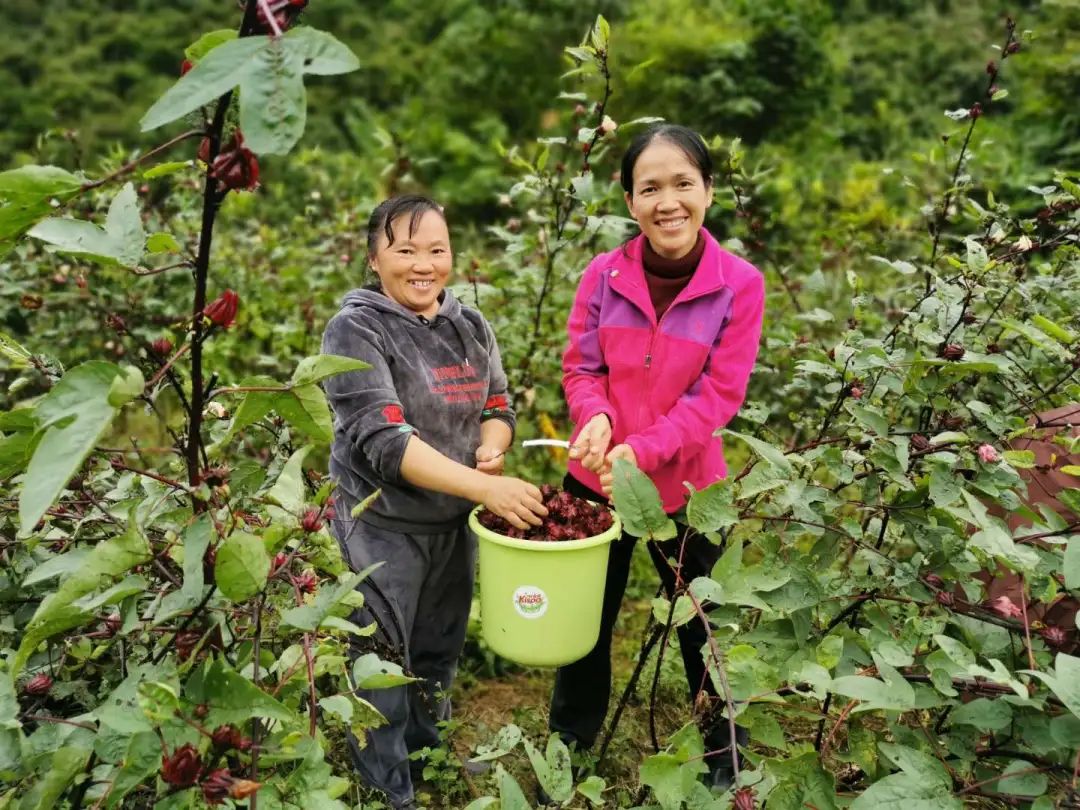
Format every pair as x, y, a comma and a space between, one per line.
638, 503
241, 566
288, 490
713, 508
232, 698
121, 241
1020, 459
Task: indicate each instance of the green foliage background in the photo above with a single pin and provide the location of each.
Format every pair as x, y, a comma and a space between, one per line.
827, 122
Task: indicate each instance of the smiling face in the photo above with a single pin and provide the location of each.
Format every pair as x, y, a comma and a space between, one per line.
669, 198
414, 268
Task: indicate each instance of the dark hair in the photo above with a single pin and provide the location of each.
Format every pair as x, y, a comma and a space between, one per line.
382, 218
691, 144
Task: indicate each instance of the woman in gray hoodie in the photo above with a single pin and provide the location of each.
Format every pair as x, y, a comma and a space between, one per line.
427, 425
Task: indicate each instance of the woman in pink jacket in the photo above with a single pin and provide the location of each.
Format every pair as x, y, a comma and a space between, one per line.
662, 338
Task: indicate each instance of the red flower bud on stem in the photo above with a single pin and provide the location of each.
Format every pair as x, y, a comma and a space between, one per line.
222, 311
1055, 636
182, 768
952, 351
39, 685
162, 346
312, 520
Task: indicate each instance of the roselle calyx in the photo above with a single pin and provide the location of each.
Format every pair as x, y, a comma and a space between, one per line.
311, 521
182, 767
222, 311
39, 685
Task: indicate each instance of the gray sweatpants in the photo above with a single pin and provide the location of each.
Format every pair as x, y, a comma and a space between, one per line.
420, 599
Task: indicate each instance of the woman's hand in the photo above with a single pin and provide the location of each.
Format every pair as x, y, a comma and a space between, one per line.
517, 501
490, 459
592, 443
607, 477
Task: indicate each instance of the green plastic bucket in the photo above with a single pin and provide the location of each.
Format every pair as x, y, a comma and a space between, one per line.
540, 601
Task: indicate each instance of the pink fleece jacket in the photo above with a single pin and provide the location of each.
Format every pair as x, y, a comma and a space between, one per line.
669, 386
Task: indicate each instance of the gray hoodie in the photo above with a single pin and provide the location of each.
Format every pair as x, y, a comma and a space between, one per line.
438, 379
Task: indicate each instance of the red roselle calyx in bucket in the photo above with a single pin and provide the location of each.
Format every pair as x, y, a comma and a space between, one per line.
569, 518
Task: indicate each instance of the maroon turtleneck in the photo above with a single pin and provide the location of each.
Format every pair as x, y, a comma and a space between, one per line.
667, 277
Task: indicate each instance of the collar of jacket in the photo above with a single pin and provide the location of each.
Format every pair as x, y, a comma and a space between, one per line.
627, 276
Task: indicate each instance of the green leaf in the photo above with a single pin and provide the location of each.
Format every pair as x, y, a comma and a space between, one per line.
316, 368
13, 351
232, 698
511, 796
288, 490
207, 42
901, 791
873, 693
241, 567
27, 195
1023, 784
67, 763
917, 764
593, 789
1020, 459
712, 509
195, 541
162, 243
869, 417
269, 72
1059, 333
371, 672
121, 241
553, 769
984, 714
774, 455
505, 742
1071, 567
638, 503
215, 74
960, 654
106, 563
310, 617
273, 104
1065, 682
323, 54
169, 167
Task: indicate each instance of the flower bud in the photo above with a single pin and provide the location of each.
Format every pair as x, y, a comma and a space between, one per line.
280, 559
162, 346
311, 520
1055, 636
919, 442
307, 582
216, 786
976, 110
226, 737
934, 580
988, 454
952, 351
856, 392
182, 768
39, 685
944, 598
744, 799
222, 311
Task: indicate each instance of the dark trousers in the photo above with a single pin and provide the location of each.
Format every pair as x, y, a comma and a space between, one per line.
582, 692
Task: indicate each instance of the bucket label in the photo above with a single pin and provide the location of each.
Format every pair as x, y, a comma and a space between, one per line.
530, 602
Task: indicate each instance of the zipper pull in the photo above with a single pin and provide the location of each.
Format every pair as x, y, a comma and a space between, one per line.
648, 360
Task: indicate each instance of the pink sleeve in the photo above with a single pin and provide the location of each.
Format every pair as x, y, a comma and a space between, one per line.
584, 368
716, 396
